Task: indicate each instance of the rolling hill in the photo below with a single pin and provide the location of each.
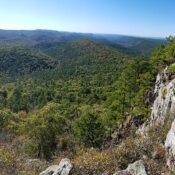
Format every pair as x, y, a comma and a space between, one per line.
126, 44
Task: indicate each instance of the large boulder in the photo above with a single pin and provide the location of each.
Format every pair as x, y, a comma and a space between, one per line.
136, 168
63, 168
170, 147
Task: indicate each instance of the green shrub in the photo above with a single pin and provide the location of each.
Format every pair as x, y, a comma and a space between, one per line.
171, 68
44, 130
89, 130
8, 121
7, 162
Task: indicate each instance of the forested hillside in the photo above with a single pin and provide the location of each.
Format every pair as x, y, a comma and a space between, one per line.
49, 38
68, 97
18, 61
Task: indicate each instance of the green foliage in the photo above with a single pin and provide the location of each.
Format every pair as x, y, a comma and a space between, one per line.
3, 98
43, 129
88, 129
18, 61
8, 121
163, 56
170, 39
7, 162
129, 94
79, 85
171, 68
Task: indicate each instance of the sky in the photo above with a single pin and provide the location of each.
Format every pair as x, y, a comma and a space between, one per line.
155, 18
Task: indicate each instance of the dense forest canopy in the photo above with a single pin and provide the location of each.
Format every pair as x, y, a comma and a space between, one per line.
63, 92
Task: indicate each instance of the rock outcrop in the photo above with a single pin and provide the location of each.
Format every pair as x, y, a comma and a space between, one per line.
170, 147
137, 168
125, 129
163, 110
164, 104
63, 168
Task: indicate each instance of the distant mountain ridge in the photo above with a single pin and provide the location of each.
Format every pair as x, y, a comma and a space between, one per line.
127, 44
24, 52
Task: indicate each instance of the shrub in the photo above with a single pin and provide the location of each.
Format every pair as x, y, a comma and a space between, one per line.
128, 151
89, 130
154, 168
158, 133
44, 129
171, 68
5, 118
94, 162
7, 162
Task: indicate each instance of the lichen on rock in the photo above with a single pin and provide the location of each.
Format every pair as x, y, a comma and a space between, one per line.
136, 168
164, 104
63, 168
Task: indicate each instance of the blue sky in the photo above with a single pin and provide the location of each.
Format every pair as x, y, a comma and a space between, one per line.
130, 17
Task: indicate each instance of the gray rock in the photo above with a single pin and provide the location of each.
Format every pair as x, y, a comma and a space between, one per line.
170, 147
63, 168
163, 109
164, 103
137, 168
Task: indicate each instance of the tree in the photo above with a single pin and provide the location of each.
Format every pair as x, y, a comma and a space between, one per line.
88, 129
3, 98
129, 89
15, 100
8, 121
44, 129
170, 39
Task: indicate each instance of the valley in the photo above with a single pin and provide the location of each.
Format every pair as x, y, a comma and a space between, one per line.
82, 97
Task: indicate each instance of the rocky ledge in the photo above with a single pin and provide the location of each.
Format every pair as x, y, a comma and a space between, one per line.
164, 101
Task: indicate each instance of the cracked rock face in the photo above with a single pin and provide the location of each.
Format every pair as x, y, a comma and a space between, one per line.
63, 168
170, 147
163, 108
164, 103
137, 168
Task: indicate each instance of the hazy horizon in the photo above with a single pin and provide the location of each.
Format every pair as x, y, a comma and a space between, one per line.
77, 32
130, 17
